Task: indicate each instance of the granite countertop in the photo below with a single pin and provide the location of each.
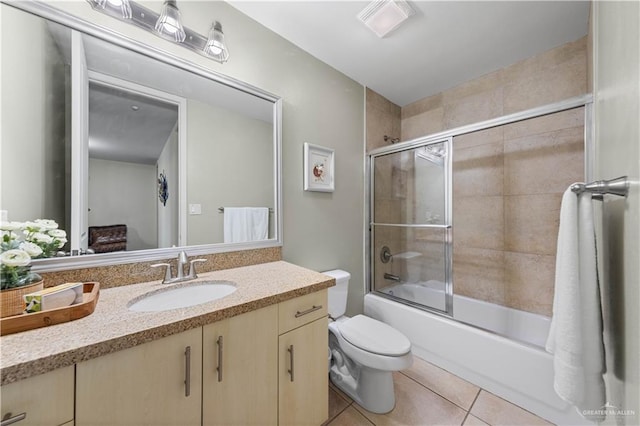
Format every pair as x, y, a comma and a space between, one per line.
113, 327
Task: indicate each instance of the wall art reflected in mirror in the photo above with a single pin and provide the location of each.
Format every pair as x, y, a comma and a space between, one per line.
128, 151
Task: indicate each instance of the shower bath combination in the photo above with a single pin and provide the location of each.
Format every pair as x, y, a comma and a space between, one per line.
483, 327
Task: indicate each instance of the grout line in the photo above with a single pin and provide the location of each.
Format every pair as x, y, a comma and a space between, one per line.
442, 396
476, 398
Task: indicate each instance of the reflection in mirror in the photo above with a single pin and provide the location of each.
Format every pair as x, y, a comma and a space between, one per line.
133, 147
167, 147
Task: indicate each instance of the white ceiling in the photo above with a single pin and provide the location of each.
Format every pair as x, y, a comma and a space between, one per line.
444, 44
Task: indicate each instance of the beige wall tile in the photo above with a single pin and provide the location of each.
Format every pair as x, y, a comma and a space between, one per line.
376, 100
553, 84
383, 118
544, 163
350, 417
416, 404
547, 123
445, 384
380, 124
420, 106
480, 85
479, 273
478, 222
496, 412
481, 137
541, 63
478, 171
531, 223
423, 124
474, 108
529, 282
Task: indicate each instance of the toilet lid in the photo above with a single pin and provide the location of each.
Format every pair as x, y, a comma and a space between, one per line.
374, 336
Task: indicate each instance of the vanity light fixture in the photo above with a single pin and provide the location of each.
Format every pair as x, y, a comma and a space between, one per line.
168, 25
118, 8
384, 16
216, 47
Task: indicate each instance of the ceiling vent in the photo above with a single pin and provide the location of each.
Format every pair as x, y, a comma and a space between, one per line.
384, 16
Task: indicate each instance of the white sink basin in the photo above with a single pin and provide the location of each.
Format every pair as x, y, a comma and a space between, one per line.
184, 296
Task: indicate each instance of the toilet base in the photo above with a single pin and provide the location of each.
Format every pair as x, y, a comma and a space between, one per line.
373, 389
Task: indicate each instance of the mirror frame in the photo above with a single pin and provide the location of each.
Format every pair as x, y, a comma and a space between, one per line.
49, 12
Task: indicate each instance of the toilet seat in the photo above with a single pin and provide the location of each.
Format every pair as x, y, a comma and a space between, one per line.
365, 357
374, 336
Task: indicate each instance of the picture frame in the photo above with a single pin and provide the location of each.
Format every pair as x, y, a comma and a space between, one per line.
319, 168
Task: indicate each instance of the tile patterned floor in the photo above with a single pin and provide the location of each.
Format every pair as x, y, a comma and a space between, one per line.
428, 395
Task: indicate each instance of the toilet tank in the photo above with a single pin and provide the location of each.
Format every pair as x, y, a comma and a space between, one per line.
338, 293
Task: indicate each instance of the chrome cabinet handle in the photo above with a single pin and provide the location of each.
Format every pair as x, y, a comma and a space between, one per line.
290, 371
308, 311
187, 371
219, 367
8, 420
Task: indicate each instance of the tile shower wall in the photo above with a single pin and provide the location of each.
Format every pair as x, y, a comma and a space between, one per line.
508, 181
383, 119
507, 187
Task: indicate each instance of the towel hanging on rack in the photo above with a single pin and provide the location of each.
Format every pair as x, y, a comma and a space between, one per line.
242, 224
575, 338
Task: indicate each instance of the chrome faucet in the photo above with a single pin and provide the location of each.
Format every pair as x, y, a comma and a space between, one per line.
182, 261
391, 277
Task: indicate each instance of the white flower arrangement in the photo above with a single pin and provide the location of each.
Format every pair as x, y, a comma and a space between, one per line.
23, 241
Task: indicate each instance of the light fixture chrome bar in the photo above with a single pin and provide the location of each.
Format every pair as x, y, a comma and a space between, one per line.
146, 19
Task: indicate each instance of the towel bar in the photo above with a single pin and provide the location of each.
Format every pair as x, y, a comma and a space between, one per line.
221, 210
618, 186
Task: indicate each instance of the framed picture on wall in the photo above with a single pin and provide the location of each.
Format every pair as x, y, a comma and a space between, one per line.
319, 168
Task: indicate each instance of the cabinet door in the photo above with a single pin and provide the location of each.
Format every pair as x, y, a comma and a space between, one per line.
303, 375
46, 399
240, 377
156, 383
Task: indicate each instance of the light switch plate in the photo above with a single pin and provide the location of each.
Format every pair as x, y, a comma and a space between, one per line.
195, 209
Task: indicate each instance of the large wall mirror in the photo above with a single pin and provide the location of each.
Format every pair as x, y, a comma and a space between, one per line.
110, 138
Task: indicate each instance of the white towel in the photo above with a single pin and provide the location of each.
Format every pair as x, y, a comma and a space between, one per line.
242, 224
575, 338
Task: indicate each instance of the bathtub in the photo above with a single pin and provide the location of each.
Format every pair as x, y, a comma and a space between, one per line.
517, 325
515, 368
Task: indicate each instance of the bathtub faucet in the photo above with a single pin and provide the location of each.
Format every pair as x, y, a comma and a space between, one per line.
391, 277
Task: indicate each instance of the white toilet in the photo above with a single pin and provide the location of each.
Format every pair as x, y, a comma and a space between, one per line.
364, 352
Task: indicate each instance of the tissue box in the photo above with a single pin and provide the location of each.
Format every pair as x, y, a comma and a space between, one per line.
55, 297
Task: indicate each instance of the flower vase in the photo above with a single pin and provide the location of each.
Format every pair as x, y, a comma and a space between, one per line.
11, 299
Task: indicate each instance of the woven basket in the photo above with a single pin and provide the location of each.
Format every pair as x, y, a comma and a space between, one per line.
11, 299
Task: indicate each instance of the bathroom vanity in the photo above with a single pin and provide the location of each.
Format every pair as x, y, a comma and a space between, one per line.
256, 356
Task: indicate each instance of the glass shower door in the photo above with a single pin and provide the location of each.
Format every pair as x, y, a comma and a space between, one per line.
411, 225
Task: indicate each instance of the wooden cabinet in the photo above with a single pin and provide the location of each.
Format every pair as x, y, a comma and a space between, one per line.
264, 367
240, 377
47, 399
302, 353
151, 384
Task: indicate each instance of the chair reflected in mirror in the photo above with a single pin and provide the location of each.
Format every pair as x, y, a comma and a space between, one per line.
105, 239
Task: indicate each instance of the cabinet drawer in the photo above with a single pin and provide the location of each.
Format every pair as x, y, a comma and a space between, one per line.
301, 310
47, 399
